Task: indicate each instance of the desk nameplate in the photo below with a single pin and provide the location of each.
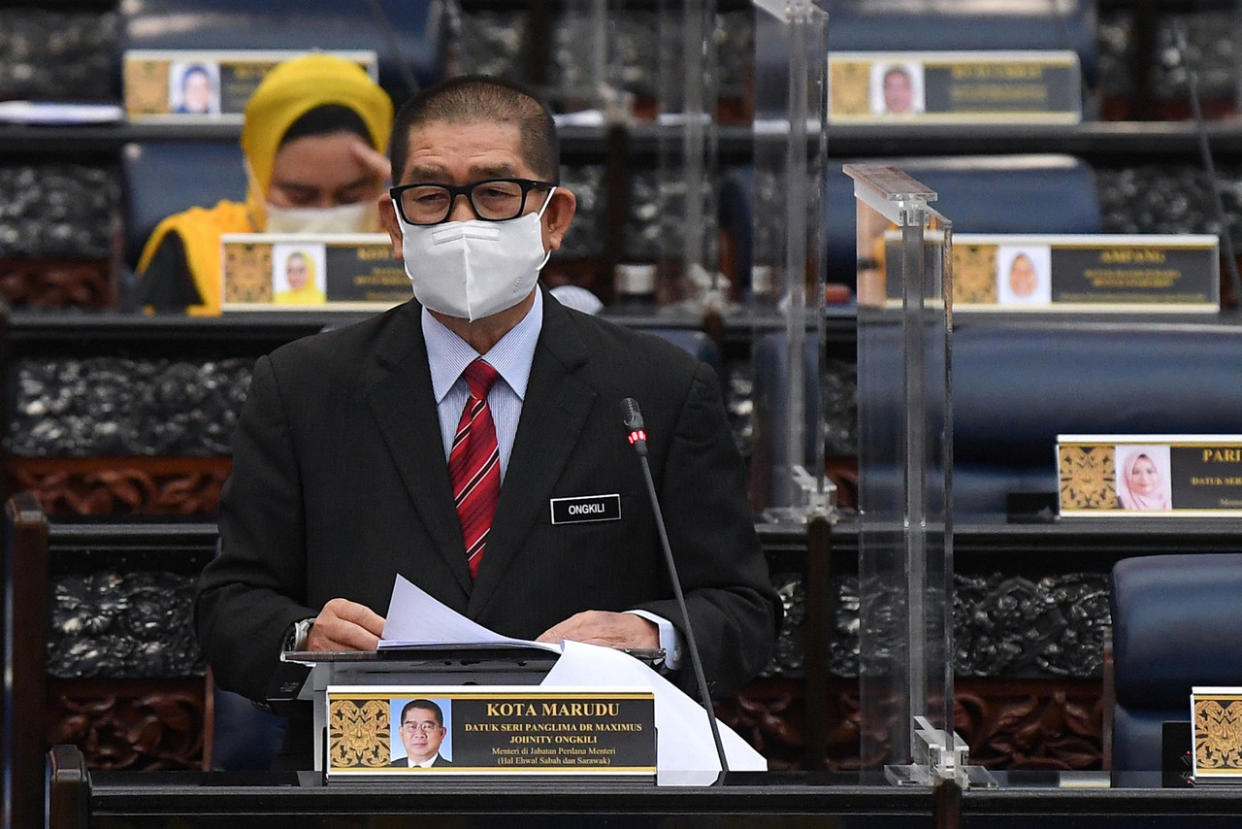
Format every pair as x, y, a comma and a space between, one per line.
1051, 273
1192, 476
895, 88
320, 271
1216, 733
186, 86
489, 730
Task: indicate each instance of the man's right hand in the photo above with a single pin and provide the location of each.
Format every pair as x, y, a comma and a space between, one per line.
343, 625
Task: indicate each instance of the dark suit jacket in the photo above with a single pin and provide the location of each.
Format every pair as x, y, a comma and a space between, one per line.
404, 762
340, 482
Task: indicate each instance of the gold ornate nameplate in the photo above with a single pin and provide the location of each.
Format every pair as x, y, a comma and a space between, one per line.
204, 85
1216, 732
1073, 273
954, 87
1150, 475
318, 271
493, 730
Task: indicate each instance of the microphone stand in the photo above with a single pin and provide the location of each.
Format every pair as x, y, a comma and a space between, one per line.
638, 438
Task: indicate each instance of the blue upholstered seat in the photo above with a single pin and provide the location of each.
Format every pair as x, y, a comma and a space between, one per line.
980, 194
1177, 623
418, 28
166, 177
864, 26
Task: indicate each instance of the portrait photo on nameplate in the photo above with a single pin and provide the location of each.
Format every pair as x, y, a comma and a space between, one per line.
205, 85
1150, 476
401, 730
320, 271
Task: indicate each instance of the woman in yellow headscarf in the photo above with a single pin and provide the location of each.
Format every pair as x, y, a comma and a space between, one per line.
314, 134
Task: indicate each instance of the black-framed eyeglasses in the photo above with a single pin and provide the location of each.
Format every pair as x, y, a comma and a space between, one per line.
493, 200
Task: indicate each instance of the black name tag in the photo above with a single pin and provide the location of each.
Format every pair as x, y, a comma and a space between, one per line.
586, 508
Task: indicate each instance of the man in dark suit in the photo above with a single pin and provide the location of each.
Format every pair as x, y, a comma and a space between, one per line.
422, 732
345, 468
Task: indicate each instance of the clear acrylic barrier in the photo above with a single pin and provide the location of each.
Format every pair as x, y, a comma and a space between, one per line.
905, 460
791, 41
688, 272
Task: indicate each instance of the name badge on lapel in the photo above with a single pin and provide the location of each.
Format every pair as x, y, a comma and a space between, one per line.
585, 508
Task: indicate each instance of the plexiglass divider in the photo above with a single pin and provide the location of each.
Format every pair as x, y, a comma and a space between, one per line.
790, 137
905, 463
687, 163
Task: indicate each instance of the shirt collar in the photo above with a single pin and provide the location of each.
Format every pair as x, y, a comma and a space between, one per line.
448, 354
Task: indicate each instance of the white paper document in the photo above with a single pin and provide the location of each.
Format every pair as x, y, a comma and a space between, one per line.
685, 750
418, 620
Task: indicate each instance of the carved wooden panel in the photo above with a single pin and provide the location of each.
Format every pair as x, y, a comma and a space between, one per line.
121, 486
1028, 724
134, 725
54, 283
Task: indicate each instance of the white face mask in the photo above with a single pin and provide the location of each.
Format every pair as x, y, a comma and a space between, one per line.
474, 269
359, 217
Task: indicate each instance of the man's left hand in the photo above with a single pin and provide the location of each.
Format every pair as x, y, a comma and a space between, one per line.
599, 627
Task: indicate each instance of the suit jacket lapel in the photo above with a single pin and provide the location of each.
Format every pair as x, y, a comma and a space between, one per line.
401, 401
553, 413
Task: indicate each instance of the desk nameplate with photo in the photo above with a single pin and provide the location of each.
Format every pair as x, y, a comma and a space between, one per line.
1216, 734
895, 88
210, 86
1053, 273
319, 271
1175, 476
425, 730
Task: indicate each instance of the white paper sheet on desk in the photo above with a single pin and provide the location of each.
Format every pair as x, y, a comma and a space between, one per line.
685, 750
417, 619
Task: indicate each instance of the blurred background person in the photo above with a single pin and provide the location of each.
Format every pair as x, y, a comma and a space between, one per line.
313, 138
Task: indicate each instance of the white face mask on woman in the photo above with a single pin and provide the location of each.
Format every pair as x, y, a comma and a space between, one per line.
474, 269
359, 217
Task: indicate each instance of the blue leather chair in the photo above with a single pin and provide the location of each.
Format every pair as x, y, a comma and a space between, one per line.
980, 194
862, 26
166, 177
418, 28
1177, 623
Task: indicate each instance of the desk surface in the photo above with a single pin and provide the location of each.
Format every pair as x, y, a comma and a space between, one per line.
238, 800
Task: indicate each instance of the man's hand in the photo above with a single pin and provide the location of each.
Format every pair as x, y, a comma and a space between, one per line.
343, 625
599, 627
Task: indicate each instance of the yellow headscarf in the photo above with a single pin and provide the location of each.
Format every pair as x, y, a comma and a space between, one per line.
287, 92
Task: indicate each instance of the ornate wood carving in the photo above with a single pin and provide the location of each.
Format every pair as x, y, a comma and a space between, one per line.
135, 725
56, 283
122, 486
1028, 724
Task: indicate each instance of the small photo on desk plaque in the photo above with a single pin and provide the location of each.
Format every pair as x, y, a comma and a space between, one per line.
1216, 736
205, 85
1178, 476
488, 730
310, 271
895, 88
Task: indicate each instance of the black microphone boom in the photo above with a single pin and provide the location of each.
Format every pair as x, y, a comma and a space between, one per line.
633, 420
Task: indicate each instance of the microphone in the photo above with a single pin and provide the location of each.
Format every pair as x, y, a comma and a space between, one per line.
632, 418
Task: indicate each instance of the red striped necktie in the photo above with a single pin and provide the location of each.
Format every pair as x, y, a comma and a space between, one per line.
474, 464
